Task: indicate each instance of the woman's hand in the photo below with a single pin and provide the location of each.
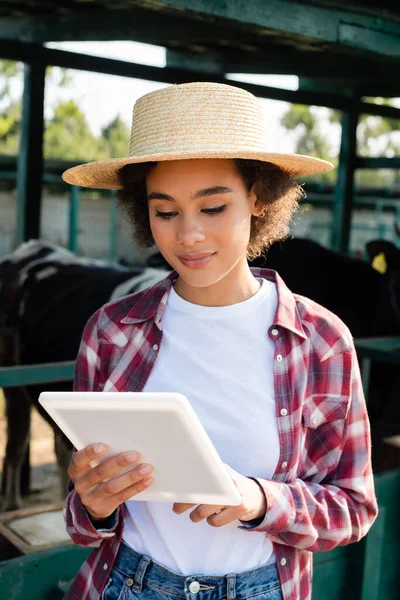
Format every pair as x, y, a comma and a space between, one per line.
101, 498
253, 505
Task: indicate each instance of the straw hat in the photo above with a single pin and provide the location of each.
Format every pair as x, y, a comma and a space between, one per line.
194, 120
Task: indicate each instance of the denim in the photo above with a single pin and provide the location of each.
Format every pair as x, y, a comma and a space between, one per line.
135, 577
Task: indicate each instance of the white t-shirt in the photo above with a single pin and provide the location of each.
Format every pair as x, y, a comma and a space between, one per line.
221, 358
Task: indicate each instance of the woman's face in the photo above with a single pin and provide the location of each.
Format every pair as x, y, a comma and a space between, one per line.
197, 208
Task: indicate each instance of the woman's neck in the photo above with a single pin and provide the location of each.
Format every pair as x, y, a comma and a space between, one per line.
236, 286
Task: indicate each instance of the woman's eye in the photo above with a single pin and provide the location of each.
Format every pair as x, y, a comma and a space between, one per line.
164, 215
214, 211
207, 211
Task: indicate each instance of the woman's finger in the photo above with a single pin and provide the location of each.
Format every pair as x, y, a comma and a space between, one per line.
115, 487
106, 469
181, 507
80, 461
203, 511
225, 516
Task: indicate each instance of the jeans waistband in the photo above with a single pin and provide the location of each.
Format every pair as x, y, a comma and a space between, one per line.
144, 571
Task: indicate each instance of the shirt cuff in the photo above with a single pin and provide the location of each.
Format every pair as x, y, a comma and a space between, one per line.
280, 513
105, 524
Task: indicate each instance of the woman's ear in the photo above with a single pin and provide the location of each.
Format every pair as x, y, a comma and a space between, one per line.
256, 207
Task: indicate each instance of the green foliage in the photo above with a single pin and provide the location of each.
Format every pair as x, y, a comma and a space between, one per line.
374, 138
10, 121
67, 134
8, 70
115, 138
310, 140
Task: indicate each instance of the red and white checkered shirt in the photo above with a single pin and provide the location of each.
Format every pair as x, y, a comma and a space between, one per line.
322, 492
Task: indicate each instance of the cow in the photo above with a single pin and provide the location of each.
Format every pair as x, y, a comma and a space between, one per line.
47, 295
383, 255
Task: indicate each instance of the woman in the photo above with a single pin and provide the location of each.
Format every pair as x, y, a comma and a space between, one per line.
272, 376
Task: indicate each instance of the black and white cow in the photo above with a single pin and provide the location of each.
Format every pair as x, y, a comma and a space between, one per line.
47, 294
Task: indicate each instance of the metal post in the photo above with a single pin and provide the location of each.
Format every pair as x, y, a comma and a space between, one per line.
343, 200
30, 156
112, 254
73, 218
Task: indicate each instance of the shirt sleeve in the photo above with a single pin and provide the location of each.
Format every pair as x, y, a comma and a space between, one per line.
80, 527
340, 509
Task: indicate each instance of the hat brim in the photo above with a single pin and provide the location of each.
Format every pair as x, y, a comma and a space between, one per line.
103, 174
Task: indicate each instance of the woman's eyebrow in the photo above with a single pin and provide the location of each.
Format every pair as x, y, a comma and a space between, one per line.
199, 194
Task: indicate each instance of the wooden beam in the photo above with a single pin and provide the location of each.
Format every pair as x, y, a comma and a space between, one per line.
205, 62
323, 67
137, 24
343, 199
30, 157
25, 52
359, 85
381, 162
354, 30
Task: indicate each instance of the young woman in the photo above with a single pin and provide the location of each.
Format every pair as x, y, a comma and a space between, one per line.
273, 376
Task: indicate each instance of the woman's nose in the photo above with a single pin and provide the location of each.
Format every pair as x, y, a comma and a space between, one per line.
189, 231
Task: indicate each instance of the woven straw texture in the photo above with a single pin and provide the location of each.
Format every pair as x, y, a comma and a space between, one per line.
194, 120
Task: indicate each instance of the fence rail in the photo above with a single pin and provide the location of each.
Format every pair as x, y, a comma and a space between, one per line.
382, 349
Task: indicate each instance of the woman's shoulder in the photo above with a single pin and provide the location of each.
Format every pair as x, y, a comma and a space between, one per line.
136, 306
324, 327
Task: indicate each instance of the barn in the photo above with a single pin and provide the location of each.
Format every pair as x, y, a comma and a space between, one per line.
64, 243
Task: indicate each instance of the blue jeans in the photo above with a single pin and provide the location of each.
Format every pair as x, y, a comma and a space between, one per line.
137, 577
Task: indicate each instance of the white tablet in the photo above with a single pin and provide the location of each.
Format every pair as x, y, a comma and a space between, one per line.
162, 427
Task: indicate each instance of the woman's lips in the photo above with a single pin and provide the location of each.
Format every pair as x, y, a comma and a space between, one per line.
198, 261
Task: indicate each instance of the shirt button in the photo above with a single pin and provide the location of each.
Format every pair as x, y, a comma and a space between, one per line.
274, 331
105, 566
194, 587
284, 464
283, 412
283, 562
155, 347
314, 421
279, 357
129, 582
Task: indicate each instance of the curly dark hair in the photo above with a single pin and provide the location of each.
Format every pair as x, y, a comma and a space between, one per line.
274, 187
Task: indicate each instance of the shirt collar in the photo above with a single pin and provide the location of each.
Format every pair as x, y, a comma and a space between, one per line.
152, 303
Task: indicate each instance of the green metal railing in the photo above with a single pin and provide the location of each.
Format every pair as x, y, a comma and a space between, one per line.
383, 349
74, 209
34, 374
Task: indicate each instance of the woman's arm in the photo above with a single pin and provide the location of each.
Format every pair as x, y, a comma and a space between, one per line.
82, 530
341, 508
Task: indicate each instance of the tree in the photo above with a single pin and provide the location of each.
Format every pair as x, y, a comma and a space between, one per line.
10, 123
115, 138
11, 107
310, 140
8, 70
374, 138
68, 136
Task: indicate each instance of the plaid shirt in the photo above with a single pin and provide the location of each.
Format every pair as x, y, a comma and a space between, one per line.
322, 492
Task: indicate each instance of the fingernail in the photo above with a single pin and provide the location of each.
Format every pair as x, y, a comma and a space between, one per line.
148, 481
145, 469
132, 456
99, 448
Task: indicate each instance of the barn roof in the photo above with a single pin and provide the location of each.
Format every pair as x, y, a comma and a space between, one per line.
354, 42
